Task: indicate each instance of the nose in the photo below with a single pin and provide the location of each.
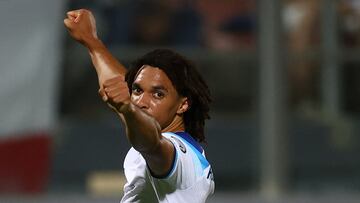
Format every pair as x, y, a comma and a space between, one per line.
141, 101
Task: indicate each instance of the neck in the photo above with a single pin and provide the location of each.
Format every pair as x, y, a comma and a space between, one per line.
176, 125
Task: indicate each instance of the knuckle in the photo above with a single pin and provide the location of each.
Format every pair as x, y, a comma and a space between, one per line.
111, 95
125, 92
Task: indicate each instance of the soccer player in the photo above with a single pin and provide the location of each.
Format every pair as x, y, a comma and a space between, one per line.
163, 102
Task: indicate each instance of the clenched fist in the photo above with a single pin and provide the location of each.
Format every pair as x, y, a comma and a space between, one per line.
115, 92
81, 26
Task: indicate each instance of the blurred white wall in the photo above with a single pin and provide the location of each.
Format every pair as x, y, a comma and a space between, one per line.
30, 48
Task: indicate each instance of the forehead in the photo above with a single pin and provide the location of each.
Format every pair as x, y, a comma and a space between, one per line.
152, 76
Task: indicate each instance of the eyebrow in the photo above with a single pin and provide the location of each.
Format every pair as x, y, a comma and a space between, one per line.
159, 87
155, 87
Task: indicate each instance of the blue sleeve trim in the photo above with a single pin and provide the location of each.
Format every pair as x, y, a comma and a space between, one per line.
186, 136
195, 147
172, 168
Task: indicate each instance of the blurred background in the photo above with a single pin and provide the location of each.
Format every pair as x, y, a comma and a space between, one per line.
284, 76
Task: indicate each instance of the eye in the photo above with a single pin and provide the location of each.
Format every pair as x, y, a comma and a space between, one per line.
136, 90
159, 95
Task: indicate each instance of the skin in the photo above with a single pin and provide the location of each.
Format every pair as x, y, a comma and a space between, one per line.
154, 105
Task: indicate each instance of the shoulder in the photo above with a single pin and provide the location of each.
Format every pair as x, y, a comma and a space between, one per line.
187, 148
190, 164
175, 140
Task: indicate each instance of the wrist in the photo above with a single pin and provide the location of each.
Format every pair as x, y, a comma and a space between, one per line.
125, 108
94, 45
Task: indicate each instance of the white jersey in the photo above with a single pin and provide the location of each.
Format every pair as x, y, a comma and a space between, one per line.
190, 179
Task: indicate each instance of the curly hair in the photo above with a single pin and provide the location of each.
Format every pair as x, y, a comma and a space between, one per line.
187, 82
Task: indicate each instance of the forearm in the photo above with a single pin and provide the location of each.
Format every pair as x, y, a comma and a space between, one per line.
106, 65
142, 130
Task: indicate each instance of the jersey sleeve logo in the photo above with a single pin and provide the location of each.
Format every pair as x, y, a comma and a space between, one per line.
180, 144
210, 175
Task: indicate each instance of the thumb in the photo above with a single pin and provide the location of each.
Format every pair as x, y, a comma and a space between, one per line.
68, 23
103, 95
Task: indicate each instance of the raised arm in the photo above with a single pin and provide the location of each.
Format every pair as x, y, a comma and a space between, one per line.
142, 130
81, 25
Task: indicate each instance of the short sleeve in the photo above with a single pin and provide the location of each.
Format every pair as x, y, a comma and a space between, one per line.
186, 168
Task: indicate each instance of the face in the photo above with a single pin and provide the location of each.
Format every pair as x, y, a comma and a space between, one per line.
153, 92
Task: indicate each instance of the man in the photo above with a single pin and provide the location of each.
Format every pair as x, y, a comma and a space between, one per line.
164, 111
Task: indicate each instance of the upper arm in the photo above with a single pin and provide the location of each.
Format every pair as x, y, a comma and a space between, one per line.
160, 160
144, 134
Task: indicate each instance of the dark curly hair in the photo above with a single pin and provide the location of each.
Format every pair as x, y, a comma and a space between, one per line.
187, 82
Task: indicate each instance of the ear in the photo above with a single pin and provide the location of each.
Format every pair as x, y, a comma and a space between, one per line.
184, 105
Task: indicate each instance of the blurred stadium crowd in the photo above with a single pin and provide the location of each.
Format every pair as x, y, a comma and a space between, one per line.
81, 139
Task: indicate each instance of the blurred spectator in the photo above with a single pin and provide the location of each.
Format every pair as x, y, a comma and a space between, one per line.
151, 24
302, 24
225, 25
228, 24
349, 22
186, 23
161, 22
302, 27
145, 22
117, 19
350, 39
